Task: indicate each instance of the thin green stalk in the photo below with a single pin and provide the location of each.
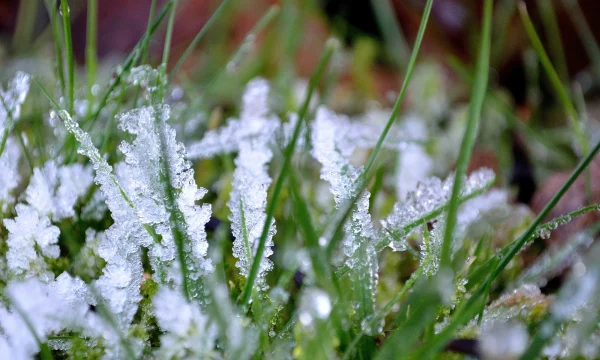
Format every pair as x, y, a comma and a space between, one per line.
582, 138
91, 59
167, 48
127, 65
395, 41
396, 108
381, 314
145, 46
330, 47
197, 39
558, 86
469, 308
64, 11
585, 33
546, 10
57, 36
468, 141
26, 16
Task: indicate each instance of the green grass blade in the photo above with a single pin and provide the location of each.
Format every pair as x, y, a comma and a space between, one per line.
198, 38
28, 10
65, 13
585, 33
407, 76
330, 47
391, 30
91, 59
468, 141
145, 47
560, 90
57, 36
546, 10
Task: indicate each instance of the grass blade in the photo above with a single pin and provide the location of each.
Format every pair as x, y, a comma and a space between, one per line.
26, 16
468, 141
197, 39
64, 12
330, 47
91, 59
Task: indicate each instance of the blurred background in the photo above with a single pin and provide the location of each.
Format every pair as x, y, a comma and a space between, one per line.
532, 148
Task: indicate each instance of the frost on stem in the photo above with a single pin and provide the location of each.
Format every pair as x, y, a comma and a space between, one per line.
429, 196
10, 102
252, 136
188, 333
9, 163
120, 248
53, 190
31, 237
154, 151
332, 150
254, 125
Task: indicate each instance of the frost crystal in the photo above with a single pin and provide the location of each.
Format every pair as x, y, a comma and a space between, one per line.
31, 238
9, 162
53, 190
429, 196
315, 305
154, 149
10, 102
331, 149
187, 332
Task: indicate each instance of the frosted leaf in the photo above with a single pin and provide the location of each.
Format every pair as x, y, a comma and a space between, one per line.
120, 248
95, 208
53, 190
430, 195
9, 170
332, 150
432, 248
255, 124
31, 237
145, 181
10, 102
187, 333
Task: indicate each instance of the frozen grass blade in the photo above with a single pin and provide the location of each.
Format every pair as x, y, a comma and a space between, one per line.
468, 141
145, 51
407, 76
197, 39
91, 60
65, 13
469, 308
45, 353
330, 47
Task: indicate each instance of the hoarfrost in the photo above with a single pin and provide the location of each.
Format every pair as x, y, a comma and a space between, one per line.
9, 162
10, 102
53, 190
31, 238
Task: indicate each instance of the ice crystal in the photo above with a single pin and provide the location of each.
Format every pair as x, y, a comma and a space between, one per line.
10, 102
187, 332
428, 197
331, 149
9, 162
53, 190
153, 152
255, 124
315, 305
31, 237
45, 309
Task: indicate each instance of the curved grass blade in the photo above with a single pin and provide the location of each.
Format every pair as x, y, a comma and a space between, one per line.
468, 141
330, 47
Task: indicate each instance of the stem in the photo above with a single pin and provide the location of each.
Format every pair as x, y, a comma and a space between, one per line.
64, 6
330, 47
91, 60
468, 141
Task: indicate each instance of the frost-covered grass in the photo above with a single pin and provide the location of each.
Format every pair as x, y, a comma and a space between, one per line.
140, 221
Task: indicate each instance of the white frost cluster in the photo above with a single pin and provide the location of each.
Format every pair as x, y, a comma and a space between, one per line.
45, 309
188, 333
53, 189
252, 136
9, 163
31, 237
11, 100
429, 196
154, 150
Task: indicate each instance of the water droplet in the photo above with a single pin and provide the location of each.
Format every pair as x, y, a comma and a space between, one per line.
371, 325
60, 10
